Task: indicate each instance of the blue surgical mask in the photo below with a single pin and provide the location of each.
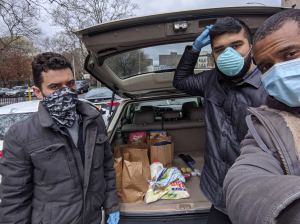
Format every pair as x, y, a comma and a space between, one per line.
230, 62
282, 82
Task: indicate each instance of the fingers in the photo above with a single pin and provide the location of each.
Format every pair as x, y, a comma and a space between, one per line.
209, 26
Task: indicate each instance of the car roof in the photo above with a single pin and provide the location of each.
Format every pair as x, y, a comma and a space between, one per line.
21, 107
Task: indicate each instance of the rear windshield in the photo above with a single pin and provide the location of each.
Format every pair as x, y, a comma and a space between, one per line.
157, 59
7, 120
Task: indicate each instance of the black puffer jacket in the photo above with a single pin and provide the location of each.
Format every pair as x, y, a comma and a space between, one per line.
43, 178
225, 106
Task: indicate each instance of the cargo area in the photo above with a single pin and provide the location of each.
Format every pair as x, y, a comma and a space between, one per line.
183, 120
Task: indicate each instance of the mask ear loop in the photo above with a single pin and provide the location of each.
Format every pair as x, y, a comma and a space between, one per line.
248, 52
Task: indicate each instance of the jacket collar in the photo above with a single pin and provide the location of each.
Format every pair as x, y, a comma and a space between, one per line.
253, 78
84, 109
275, 104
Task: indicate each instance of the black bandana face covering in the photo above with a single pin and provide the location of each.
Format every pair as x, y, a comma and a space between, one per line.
61, 106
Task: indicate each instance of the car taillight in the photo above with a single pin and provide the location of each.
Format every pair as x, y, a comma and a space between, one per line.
1, 153
114, 103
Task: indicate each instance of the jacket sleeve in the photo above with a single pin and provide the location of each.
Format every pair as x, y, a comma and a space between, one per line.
185, 79
111, 202
256, 189
16, 182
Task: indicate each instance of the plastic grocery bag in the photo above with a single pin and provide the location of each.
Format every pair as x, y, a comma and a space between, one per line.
169, 184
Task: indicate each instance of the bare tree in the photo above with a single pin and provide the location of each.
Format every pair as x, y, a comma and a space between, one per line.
17, 19
73, 15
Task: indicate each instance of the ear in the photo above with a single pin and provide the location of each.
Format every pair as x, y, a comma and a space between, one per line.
38, 92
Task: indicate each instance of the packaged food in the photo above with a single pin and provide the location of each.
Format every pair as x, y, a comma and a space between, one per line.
176, 190
157, 134
155, 167
169, 184
137, 137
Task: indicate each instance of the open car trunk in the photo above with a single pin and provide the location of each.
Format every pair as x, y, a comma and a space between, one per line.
120, 53
187, 130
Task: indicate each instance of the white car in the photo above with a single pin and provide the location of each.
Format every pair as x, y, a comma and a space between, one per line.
13, 113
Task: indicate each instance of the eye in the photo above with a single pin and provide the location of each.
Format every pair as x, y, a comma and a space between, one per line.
292, 55
264, 68
54, 87
71, 83
235, 46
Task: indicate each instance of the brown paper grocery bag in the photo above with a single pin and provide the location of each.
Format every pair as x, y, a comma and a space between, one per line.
118, 165
163, 154
135, 174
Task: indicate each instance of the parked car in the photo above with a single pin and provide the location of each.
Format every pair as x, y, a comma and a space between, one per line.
31, 92
138, 64
102, 98
3, 91
16, 91
13, 113
82, 86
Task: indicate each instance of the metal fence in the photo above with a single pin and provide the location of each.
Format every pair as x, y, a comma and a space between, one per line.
9, 100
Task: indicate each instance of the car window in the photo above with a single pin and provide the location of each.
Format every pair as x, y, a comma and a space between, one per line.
174, 104
7, 120
155, 59
99, 92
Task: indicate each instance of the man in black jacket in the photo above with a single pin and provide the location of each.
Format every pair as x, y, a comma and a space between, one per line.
228, 90
57, 165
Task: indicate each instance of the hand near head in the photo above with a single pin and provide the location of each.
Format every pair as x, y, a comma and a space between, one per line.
203, 39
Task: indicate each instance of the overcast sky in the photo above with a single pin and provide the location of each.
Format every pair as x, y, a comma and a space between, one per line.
148, 7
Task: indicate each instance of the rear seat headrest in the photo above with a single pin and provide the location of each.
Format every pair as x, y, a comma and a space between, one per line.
196, 114
143, 117
146, 108
171, 115
186, 107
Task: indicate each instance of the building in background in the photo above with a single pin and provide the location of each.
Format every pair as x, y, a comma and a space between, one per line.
170, 60
291, 3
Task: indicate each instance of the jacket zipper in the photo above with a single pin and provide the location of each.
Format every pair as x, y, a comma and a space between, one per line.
280, 153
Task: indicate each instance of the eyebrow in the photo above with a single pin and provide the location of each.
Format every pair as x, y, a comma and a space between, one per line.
52, 84
288, 48
234, 42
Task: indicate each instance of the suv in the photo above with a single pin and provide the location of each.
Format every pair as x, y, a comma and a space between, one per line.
136, 58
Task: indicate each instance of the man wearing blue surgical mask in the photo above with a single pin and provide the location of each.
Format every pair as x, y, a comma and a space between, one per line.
263, 186
228, 90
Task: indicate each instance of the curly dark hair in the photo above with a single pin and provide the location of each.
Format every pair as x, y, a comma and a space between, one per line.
229, 25
45, 62
275, 22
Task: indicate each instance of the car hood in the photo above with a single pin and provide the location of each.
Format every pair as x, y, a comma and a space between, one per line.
105, 40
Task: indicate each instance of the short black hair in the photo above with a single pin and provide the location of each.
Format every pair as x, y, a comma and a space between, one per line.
45, 62
229, 25
275, 22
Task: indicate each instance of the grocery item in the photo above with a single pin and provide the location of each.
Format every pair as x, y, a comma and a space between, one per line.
138, 137
169, 184
155, 167
157, 134
176, 190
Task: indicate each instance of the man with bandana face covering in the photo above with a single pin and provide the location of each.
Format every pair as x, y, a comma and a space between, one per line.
228, 90
57, 166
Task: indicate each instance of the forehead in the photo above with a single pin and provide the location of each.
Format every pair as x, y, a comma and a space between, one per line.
57, 76
269, 47
228, 38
